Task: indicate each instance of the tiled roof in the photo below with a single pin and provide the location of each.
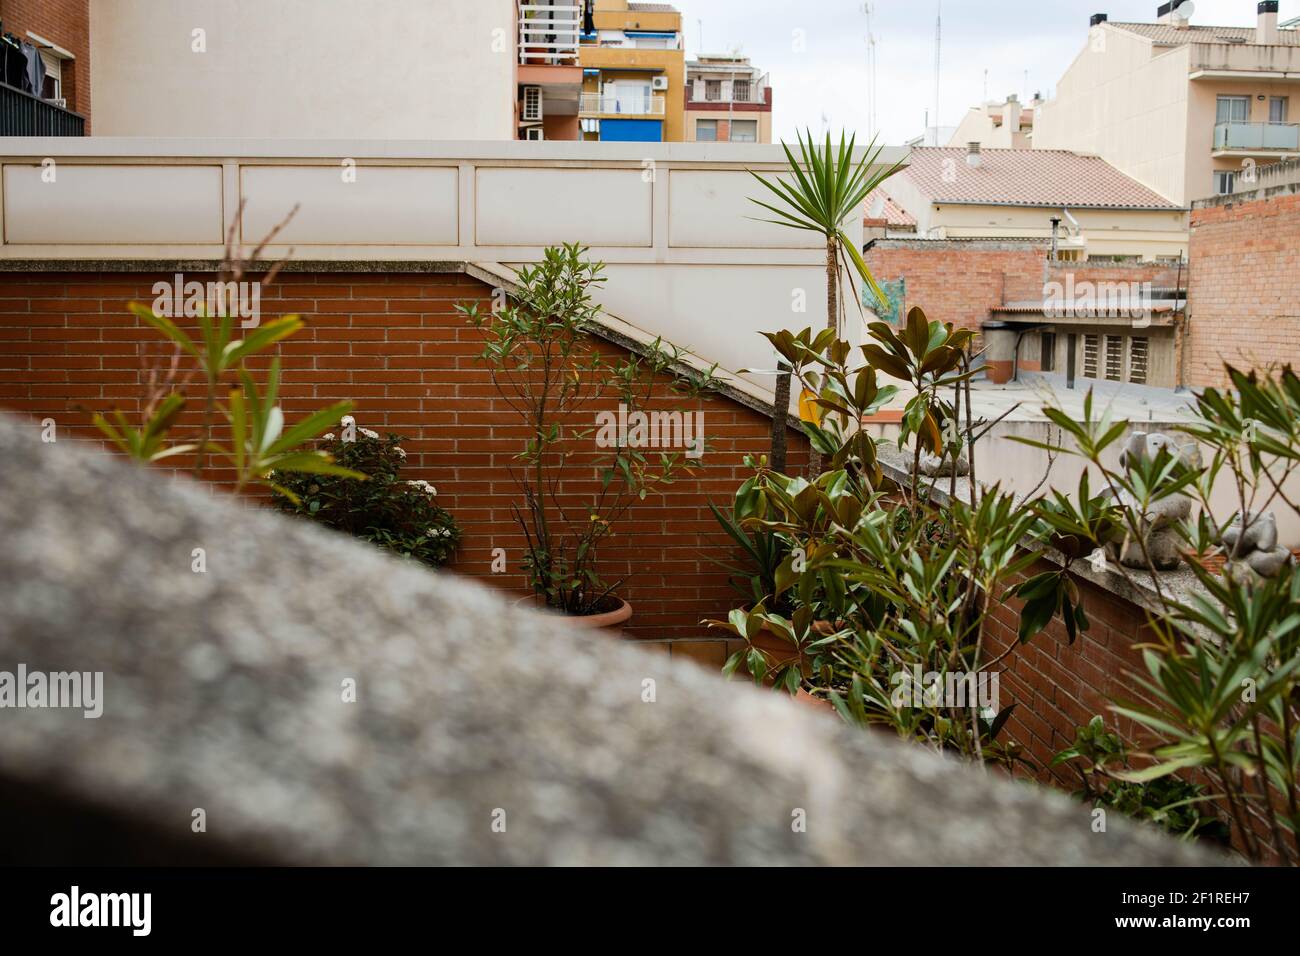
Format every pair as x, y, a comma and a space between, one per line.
1026, 177
1163, 34
890, 211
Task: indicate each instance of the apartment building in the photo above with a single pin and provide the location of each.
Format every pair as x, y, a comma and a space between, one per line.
548, 77
1005, 125
304, 69
1183, 108
1082, 204
633, 73
44, 67
728, 100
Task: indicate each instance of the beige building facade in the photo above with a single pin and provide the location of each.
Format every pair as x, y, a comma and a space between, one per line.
1005, 125
308, 69
1185, 109
1016, 194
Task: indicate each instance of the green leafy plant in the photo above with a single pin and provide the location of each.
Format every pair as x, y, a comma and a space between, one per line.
1219, 673
549, 371
260, 441
823, 190
883, 588
1178, 807
397, 515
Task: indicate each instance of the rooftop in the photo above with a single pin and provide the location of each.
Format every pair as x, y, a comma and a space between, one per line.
880, 205
1164, 34
1026, 177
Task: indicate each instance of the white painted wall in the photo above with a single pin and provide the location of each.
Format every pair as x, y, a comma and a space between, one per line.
404, 69
687, 259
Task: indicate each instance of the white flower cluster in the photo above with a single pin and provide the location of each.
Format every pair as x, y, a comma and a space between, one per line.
438, 532
328, 436
424, 486
401, 452
347, 420
368, 433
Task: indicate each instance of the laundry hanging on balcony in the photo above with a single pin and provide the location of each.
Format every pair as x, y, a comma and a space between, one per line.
23, 68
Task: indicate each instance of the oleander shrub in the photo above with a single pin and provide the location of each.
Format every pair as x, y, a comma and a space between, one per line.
398, 515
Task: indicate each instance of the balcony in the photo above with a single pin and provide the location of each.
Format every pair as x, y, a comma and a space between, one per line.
22, 114
725, 93
614, 104
549, 33
1257, 138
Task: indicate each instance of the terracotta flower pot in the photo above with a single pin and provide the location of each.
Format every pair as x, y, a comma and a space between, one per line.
608, 621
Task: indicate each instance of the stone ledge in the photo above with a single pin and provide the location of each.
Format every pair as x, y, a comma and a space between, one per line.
222, 691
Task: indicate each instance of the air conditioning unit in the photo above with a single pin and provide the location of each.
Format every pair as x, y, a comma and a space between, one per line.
60, 103
534, 133
658, 83
532, 110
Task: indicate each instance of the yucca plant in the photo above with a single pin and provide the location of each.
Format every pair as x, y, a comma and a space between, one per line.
827, 189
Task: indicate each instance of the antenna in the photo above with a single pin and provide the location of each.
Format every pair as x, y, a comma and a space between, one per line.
938, 43
700, 25
871, 73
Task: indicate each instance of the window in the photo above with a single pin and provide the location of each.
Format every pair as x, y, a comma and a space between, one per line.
1233, 109
1277, 109
1047, 353
1137, 360
713, 89
1224, 181
706, 131
744, 131
740, 91
1090, 343
532, 110
1115, 358
52, 88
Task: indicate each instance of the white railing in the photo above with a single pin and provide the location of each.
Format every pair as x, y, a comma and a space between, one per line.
754, 92
549, 34
622, 104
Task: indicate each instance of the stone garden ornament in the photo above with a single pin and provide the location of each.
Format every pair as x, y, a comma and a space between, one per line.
1158, 526
1252, 547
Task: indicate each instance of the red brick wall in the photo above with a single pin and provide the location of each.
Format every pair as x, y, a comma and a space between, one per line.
961, 282
395, 345
66, 23
1059, 686
1245, 293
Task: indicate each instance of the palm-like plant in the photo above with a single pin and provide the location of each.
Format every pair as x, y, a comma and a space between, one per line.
826, 189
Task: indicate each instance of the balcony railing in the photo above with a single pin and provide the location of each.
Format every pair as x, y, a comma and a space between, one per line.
621, 104
22, 114
753, 92
549, 34
1262, 137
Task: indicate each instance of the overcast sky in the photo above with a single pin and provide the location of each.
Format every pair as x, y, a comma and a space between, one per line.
1006, 38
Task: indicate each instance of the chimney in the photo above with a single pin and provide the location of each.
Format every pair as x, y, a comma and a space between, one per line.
1169, 13
973, 157
1097, 19
1266, 28
1011, 114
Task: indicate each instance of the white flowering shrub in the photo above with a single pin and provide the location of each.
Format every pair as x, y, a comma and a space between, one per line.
398, 515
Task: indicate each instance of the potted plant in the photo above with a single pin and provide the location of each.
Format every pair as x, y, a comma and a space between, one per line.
586, 417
